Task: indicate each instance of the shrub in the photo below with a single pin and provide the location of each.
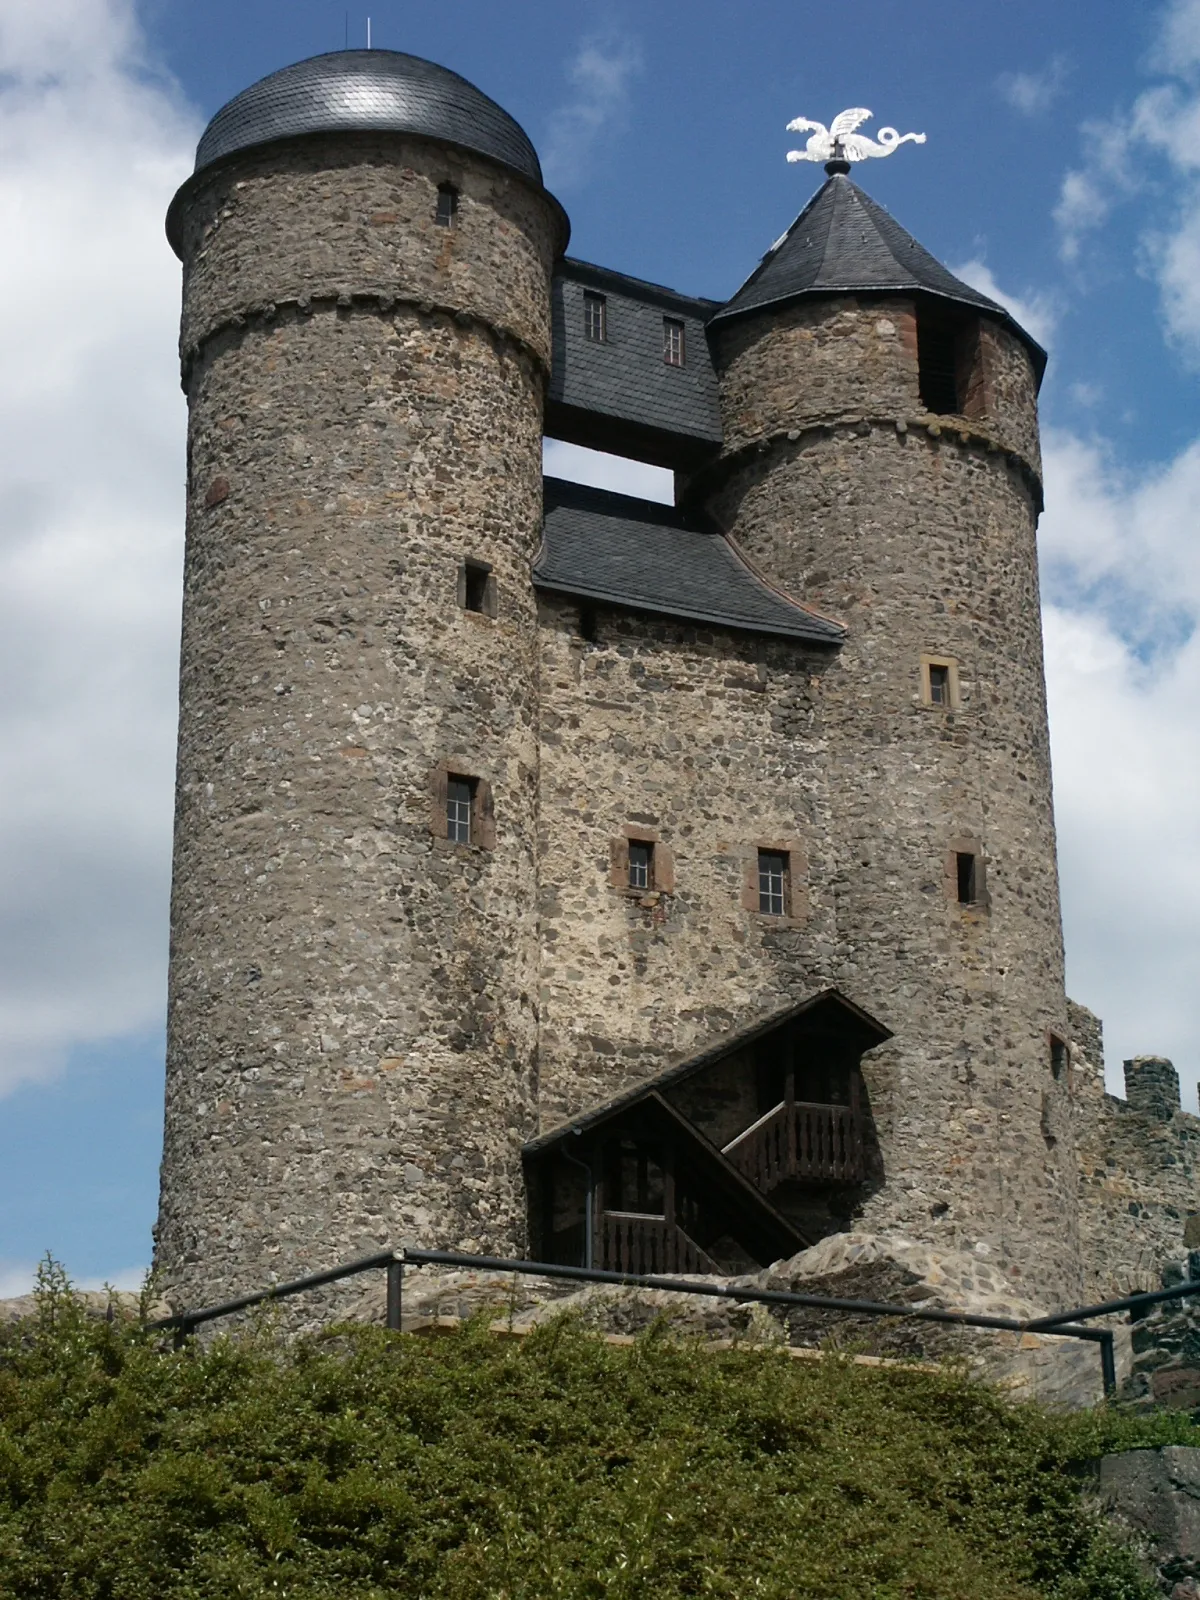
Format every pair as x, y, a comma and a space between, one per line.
363, 1465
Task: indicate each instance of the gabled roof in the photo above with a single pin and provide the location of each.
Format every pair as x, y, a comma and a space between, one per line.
844, 242
828, 1008
650, 557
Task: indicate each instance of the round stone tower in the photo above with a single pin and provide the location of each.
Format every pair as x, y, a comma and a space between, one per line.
367, 250
881, 462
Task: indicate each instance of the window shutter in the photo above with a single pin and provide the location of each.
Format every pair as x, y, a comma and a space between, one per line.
437, 802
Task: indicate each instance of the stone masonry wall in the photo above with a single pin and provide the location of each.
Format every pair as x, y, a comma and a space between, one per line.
352, 998
1139, 1170
353, 215
708, 742
842, 359
923, 544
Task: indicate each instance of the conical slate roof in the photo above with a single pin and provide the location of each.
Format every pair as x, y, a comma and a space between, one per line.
843, 242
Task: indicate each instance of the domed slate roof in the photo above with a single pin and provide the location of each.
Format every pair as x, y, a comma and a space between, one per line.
844, 242
365, 91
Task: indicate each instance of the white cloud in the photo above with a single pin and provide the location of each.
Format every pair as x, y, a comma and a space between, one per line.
1121, 574
91, 524
18, 1278
600, 78
1033, 93
1086, 394
1122, 156
1177, 49
1035, 311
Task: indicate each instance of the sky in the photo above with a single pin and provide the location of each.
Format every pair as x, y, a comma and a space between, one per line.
1061, 174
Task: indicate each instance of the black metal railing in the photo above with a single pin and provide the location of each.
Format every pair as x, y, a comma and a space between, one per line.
1063, 1324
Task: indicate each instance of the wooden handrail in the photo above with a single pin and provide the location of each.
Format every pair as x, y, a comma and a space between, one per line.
807, 1141
727, 1149
632, 1241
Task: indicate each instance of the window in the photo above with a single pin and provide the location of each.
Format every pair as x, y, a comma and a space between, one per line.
950, 364
939, 682
1058, 1057
968, 877
673, 341
772, 883
477, 588
447, 205
587, 623
460, 809
641, 864
595, 317
633, 1178
937, 363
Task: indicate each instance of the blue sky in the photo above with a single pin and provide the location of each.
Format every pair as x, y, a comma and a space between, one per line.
1062, 172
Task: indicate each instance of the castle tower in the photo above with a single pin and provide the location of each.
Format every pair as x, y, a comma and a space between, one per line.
367, 249
880, 460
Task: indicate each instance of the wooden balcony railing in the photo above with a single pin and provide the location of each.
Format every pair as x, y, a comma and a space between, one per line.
632, 1241
812, 1143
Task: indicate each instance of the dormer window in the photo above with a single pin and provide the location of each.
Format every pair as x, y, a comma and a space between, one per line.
673, 347
595, 317
447, 206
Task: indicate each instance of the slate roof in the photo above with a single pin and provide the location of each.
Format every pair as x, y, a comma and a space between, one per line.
625, 378
366, 90
828, 1007
844, 241
649, 557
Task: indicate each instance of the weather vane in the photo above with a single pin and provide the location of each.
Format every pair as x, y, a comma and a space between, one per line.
839, 145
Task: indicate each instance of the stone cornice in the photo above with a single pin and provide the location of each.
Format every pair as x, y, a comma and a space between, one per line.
261, 314
958, 431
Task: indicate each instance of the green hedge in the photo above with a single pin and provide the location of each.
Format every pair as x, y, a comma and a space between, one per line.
361, 1464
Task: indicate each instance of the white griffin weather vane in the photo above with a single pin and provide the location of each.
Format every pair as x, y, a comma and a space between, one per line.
839, 142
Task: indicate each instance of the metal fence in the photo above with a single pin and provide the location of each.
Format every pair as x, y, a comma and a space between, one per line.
1062, 1324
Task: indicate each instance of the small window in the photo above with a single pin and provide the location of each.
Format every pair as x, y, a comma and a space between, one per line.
673, 349
595, 318
1058, 1058
460, 809
939, 682
772, 883
641, 864
633, 1178
477, 588
447, 205
937, 363
587, 623
968, 877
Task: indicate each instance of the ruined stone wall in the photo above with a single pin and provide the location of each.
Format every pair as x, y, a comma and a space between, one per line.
709, 743
1139, 1168
921, 540
352, 1014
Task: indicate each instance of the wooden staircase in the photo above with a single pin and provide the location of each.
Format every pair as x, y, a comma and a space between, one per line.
800, 1140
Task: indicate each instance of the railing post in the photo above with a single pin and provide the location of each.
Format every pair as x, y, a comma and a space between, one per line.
1108, 1365
395, 1293
183, 1332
